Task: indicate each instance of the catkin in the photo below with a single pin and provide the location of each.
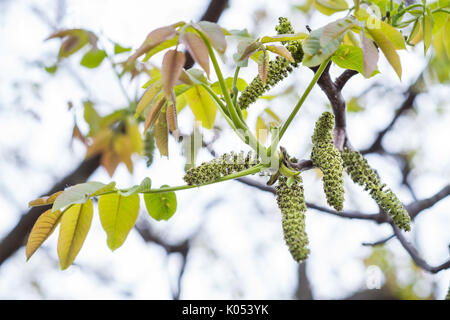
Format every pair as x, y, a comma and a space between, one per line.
361, 173
291, 202
278, 69
327, 157
227, 164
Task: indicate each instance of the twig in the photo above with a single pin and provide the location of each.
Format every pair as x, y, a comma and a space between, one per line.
343, 78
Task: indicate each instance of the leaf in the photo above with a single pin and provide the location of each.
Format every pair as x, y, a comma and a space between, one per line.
123, 147
161, 134
42, 229
118, 215
153, 112
241, 84
153, 39
74, 40
78, 193
284, 37
370, 55
75, 224
110, 160
160, 47
93, 58
172, 65
281, 51
118, 49
91, 117
350, 57
427, 30
51, 69
202, 105
328, 7
250, 49
161, 206
354, 106
388, 49
144, 186
273, 115
263, 67
42, 201
214, 33
335, 30
171, 117
109, 187
374, 24
416, 34
148, 96
197, 49
314, 53
261, 130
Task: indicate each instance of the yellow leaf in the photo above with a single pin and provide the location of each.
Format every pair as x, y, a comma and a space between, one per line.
281, 51
44, 200
153, 112
262, 130
388, 49
75, 224
135, 137
123, 147
202, 105
118, 214
148, 96
162, 134
42, 229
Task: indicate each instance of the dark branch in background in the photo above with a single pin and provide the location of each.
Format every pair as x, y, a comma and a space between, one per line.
16, 238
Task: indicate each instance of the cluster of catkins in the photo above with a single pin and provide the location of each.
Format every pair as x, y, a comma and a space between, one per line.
225, 165
278, 69
327, 157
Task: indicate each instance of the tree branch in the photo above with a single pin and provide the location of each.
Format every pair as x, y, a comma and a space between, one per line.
343, 78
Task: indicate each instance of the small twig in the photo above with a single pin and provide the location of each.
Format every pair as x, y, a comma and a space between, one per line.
379, 242
343, 78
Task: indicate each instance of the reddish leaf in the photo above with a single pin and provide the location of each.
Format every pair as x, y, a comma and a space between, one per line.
370, 55
214, 33
171, 117
153, 112
197, 49
263, 66
172, 65
153, 39
281, 51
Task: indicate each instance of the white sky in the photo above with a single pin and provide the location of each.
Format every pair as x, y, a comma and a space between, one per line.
239, 251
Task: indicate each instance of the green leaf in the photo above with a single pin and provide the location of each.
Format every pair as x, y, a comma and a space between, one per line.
315, 54
148, 97
202, 105
92, 118
161, 206
78, 193
75, 224
354, 106
328, 7
93, 58
51, 69
336, 29
284, 37
350, 57
144, 186
427, 30
109, 187
118, 215
118, 49
241, 84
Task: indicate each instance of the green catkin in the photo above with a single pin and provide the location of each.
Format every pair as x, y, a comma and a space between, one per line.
278, 69
226, 164
327, 157
361, 173
291, 202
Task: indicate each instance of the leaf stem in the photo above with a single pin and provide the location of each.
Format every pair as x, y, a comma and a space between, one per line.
301, 100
